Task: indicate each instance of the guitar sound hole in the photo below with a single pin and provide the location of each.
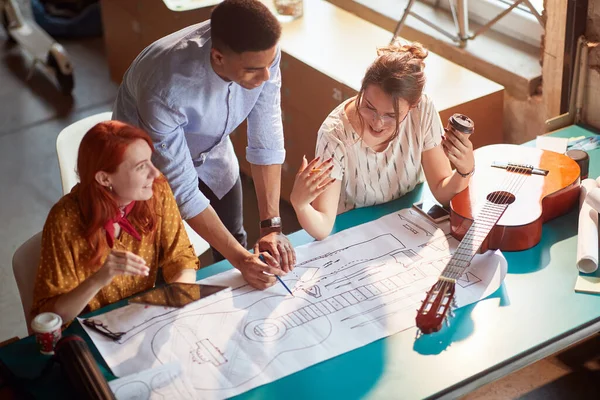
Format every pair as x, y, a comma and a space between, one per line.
501, 197
265, 330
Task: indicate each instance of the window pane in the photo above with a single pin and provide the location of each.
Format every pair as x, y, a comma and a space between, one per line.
537, 4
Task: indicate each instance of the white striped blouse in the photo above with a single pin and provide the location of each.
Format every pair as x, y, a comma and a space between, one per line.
370, 177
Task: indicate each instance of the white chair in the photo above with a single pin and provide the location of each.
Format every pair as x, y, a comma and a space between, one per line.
25, 264
67, 146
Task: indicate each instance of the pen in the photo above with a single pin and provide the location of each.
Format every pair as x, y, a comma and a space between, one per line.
261, 258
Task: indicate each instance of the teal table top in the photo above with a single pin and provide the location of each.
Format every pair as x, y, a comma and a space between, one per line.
535, 305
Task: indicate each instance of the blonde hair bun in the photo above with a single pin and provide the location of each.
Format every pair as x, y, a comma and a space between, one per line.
401, 47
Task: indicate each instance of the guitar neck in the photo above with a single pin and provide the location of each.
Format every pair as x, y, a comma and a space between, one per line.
348, 298
485, 220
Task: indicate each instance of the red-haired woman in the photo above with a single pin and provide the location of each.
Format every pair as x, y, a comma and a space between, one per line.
374, 147
107, 238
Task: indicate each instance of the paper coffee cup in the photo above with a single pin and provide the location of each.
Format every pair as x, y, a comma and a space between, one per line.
47, 328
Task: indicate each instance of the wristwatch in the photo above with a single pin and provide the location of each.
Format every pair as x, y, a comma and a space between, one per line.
274, 222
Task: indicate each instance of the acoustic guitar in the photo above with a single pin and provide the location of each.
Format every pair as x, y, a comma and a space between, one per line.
514, 190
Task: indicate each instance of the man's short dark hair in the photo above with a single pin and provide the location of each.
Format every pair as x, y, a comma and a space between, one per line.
244, 25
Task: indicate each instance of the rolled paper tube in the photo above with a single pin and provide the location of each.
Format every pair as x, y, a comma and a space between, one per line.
587, 233
593, 199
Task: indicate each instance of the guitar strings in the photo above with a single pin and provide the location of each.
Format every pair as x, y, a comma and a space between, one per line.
512, 183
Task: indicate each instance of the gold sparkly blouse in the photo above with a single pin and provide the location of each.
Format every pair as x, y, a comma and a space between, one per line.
65, 253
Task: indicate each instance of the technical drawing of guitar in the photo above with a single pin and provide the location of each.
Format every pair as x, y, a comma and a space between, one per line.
227, 349
221, 349
503, 208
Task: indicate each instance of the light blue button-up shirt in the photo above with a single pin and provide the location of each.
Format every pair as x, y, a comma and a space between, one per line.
171, 91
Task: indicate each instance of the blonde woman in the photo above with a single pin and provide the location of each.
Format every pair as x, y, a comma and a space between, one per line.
375, 147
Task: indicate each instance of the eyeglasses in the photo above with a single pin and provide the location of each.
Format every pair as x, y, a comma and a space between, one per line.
372, 114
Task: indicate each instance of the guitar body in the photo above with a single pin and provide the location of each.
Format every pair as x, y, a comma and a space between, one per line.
537, 198
513, 192
225, 349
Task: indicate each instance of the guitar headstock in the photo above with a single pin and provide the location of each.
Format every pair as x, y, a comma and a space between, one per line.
436, 307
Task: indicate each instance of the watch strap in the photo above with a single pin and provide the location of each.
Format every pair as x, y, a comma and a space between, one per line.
274, 222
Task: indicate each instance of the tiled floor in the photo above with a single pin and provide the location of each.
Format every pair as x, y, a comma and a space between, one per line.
31, 115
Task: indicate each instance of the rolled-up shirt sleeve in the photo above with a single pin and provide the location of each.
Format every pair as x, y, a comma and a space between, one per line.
265, 128
172, 156
177, 253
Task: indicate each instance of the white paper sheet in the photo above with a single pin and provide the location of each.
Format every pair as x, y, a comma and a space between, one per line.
587, 231
163, 382
551, 143
587, 284
350, 289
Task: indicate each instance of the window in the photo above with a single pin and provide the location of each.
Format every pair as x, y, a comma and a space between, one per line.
520, 23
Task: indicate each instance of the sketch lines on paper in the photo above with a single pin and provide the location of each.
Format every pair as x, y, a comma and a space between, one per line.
356, 283
162, 383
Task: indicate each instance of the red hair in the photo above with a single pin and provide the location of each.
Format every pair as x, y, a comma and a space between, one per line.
103, 149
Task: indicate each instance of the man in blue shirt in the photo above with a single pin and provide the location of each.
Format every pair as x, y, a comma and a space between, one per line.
189, 91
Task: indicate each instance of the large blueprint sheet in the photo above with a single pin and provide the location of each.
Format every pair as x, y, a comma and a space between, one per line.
351, 289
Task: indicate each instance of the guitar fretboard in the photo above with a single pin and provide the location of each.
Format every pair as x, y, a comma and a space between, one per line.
485, 220
349, 298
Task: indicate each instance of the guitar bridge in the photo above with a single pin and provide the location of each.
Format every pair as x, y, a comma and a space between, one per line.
520, 168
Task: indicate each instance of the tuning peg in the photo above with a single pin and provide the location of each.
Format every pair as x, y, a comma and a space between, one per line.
418, 334
452, 313
447, 321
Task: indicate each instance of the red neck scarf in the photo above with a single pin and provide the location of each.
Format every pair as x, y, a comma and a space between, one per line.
121, 219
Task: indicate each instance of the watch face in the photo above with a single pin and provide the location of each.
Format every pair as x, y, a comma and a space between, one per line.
270, 223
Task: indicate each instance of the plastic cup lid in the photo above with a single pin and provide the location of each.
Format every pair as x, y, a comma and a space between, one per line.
46, 322
462, 123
